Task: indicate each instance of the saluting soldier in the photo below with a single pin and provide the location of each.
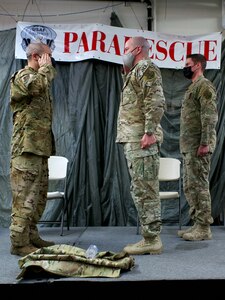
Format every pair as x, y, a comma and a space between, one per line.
32, 143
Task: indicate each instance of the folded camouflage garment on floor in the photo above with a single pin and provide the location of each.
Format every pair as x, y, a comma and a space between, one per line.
71, 261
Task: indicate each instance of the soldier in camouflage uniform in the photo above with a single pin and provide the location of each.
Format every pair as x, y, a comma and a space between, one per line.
138, 129
32, 144
197, 143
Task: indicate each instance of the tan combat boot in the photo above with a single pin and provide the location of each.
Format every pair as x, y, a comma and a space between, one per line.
200, 232
22, 251
145, 246
180, 233
35, 238
39, 242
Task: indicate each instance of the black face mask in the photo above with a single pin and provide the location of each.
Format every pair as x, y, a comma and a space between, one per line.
187, 72
53, 62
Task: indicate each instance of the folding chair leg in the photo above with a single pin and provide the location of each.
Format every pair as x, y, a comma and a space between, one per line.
62, 223
62, 217
179, 215
65, 210
67, 218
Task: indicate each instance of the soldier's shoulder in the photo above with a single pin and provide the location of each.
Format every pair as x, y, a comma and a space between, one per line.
207, 84
146, 66
205, 81
25, 71
207, 88
21, 75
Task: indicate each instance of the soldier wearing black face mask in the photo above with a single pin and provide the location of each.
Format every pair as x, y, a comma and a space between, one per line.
197, 143
188, 73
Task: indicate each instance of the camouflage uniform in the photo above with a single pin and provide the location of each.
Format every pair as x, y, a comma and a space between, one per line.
32, 144
197, 127
141, 109
70, 261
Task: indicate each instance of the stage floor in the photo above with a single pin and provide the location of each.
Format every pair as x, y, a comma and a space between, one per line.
181, 261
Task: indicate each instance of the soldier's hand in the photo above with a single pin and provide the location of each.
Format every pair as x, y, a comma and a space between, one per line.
147, 140
203, 150
44, 59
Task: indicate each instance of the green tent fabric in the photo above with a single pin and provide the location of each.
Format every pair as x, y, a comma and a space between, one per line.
71, 261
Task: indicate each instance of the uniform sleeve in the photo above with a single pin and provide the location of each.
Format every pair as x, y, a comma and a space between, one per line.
36, 83
153, 97
25, 83
209, 115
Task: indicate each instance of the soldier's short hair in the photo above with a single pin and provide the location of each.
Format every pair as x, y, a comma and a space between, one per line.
198, 58
35, 48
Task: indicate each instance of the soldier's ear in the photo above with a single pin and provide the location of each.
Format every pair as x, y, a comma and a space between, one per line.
36, 56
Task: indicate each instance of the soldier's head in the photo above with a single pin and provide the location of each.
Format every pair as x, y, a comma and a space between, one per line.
195, 65
136, 48
198, 58
34, 51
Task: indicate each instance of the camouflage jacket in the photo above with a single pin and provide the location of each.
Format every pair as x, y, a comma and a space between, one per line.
142, 103
198, 116
31, 104
71, 261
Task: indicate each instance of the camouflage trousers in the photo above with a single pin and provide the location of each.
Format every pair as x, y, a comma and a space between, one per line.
144, 169
29, 182
196, 187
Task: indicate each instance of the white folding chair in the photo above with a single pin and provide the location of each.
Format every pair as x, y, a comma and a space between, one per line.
170, 171
57, 166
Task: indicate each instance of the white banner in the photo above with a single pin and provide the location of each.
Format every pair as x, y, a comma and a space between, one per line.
77, 42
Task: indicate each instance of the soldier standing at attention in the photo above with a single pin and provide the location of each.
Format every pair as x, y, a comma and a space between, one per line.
139, 131
197, 143
32, 143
